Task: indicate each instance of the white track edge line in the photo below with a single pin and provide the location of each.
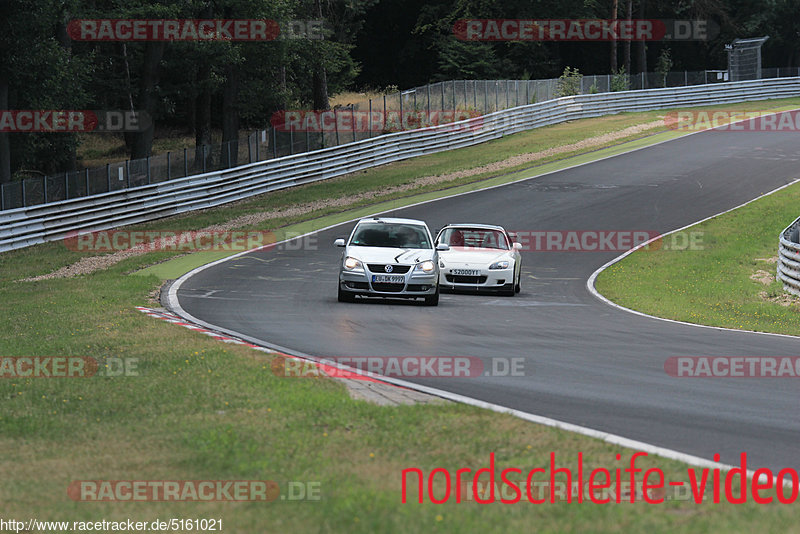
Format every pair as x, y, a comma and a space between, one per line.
590, 283
589, 432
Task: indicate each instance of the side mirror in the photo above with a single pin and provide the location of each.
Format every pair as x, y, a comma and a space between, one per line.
517, 246
442, 246
339, 242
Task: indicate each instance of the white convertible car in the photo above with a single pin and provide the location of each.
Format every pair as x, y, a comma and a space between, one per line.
481, 257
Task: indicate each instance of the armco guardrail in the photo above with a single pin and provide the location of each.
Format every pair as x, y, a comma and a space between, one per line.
789, 258
27, 226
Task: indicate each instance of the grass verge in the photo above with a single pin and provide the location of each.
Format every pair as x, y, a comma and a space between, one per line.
199, 409
714, 283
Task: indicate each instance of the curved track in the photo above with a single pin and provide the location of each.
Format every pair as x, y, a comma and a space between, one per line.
589, 364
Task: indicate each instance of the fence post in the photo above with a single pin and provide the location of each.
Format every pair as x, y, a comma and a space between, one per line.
685, 78
87, 182
401, 113
23, 193
185, 163
274, 142
291, 144
496, 95
128, 172
44, 188
169, 166
475, 94
485, 96
250, 147
336, 121
66, 187
442, 108
454, 96
2, 196
204, 158
228, 150
385, 116
108, 178
148, 170
370, 117
428, 91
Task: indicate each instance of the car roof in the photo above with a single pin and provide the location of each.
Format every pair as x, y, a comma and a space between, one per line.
479, 226
392, 220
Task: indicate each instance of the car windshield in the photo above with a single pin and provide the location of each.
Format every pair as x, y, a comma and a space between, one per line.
474, 237
394, 235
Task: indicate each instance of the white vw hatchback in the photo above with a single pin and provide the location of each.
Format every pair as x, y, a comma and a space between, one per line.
389, 258
479, 257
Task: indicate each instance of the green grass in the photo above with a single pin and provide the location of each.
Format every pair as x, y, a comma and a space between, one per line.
711, 285
201, 409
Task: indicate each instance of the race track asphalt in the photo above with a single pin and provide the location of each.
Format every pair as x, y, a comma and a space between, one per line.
585, 362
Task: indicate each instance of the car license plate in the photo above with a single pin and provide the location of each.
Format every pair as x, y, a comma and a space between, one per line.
388, 279
467, 272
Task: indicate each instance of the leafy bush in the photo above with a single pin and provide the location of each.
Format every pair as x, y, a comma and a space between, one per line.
569, 83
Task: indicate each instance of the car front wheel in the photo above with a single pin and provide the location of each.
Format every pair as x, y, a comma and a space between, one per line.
433, 300
346, 296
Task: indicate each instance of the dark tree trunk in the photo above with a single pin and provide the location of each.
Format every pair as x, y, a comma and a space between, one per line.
5, 145
320, 77
230, 117
643, 46
141, 143
614, 5
627, 48
202, 137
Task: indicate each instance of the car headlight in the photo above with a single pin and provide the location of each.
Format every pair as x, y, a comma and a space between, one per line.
426, 266
352, 264
499, 265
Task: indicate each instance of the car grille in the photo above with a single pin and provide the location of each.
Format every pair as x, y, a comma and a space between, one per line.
381, 268
388, 288
458, 279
